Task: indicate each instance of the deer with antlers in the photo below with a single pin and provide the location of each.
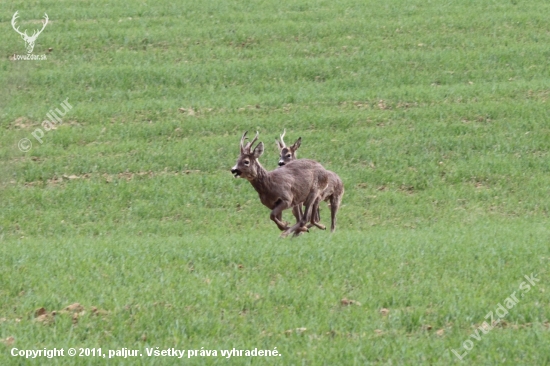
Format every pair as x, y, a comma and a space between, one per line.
332, 194
29, 40
298, 182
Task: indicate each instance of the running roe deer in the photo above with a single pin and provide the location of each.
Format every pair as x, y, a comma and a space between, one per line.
332, 194
299, 182
284, 151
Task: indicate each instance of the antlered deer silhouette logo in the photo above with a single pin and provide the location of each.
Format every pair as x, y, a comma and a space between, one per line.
29, 40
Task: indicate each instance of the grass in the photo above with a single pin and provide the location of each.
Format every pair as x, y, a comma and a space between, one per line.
433, 114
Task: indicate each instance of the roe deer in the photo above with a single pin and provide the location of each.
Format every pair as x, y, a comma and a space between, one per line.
332, 194
299, 182
285, 151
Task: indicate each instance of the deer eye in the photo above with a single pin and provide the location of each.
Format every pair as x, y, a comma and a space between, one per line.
246, 162
288, 155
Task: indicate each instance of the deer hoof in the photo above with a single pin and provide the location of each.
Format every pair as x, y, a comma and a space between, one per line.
299, 232
303, 229
320, 226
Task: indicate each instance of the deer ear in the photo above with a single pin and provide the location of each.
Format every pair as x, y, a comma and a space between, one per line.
297, 144
259, 150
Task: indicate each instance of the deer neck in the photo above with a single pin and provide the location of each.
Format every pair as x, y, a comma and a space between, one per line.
261, 181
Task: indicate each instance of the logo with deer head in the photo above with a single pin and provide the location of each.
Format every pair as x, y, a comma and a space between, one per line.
29, 40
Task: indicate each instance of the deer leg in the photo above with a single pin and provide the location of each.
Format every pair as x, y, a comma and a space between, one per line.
280, 218
308, 225
297, 212
317, 214
276, 214
335, 201
315, 217
302, 225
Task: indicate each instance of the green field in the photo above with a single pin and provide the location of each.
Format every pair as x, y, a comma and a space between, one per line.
434, 114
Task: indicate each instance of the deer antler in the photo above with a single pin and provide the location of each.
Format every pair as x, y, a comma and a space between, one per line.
246, 148
253, 140
242, 140
282, 136
13, 20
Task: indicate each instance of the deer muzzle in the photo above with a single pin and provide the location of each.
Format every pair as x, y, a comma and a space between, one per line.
236, 172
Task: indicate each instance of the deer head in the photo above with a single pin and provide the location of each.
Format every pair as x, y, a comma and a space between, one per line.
29, 40
287, 154
247, 165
